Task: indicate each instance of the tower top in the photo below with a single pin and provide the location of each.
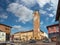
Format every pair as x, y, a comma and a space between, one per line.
36, 12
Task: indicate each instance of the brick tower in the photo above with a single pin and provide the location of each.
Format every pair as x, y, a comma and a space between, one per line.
36, 25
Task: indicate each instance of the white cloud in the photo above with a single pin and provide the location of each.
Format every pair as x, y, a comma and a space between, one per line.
54, 3
23, 13
42, 2
3, 16
31, 3
28, 3
42, 11
51, 15
50, 8
15, 26
19, 28
54, 12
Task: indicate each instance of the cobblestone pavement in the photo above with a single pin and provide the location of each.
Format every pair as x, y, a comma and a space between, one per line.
38, 43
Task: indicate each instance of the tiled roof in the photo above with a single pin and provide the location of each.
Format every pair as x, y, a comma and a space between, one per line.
5, 25
27, 31
52, 25
24, 31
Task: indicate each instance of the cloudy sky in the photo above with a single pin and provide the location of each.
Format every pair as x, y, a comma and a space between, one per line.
19, 13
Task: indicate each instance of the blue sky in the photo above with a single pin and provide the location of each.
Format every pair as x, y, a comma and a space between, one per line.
19, 13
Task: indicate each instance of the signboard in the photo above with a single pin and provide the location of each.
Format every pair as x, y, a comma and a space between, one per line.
2, 36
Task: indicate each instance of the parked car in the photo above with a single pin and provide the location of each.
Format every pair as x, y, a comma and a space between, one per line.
32, 41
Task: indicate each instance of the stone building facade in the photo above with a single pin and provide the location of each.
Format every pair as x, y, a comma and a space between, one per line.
6, 29
53, 31
27, 35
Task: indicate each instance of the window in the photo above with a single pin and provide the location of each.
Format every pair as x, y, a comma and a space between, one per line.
7, 28
57, 28
2, 34
52, 27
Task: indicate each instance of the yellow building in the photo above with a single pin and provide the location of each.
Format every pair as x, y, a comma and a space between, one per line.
27, 35
23, 36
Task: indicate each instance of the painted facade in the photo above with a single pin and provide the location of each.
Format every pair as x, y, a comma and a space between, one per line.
23, 36
27, 35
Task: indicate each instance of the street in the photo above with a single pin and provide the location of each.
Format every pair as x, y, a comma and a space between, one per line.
37, 43
40, 43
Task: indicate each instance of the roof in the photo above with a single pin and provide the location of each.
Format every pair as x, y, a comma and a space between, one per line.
23, 31
5, 25
52, 25
41, 31
26, 31
58, 11
1, 31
